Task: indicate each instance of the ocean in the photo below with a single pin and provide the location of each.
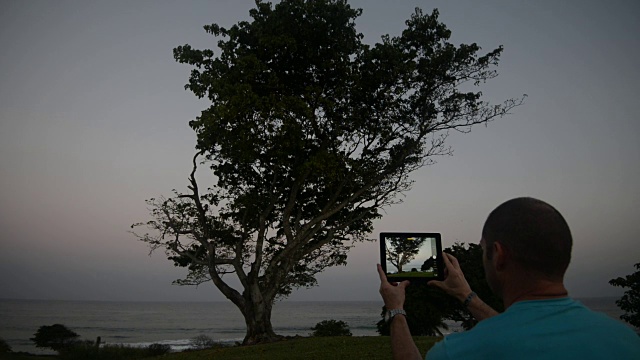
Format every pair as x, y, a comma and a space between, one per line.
176, 323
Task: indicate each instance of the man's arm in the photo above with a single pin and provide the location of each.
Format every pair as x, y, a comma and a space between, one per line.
457, 286
479, 309
402, 345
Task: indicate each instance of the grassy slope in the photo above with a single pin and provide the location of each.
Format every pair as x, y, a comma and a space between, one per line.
412, 274
312, 348
319, 348
12, 356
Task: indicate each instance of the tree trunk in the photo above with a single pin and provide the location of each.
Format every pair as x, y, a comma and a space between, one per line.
257, 317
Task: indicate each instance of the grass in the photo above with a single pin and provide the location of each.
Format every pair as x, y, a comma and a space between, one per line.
308, 348
90, 352
412, 274
312, 348
23, 356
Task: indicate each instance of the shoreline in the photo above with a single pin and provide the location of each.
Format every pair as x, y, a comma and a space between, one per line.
175, 324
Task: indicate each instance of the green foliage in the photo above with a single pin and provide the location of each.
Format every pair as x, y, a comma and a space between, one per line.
400, 251
310, 133
158, 349
4, 347
630, 301
331, 328
55, 337
470, 258
203, 342
428, 307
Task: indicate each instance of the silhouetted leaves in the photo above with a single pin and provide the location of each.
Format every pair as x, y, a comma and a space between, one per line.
4, 347
630, 301
331, 328
310, 133
56, 337
470, 258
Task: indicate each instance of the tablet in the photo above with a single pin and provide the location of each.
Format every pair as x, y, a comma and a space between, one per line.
411, 256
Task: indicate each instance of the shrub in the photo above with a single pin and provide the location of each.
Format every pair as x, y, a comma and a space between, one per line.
331, 328
202, 341
56, 337
4, 347
158, 349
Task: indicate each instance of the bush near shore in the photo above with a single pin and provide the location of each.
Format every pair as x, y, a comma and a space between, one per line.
312, 348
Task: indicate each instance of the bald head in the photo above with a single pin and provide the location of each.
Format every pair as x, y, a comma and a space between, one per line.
534, 233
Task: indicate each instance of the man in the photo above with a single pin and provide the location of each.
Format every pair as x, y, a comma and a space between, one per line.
526, 247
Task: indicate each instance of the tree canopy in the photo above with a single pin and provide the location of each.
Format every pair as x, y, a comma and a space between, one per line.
630, 301
56, 337
401, 250
309, 134
470, 259
4, 347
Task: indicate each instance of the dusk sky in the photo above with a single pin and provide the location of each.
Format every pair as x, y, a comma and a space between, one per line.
94, 121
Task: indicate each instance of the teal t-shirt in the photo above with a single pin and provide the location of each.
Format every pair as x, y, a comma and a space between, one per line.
542, 329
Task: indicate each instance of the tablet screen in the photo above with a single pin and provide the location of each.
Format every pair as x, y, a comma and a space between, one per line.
411, 256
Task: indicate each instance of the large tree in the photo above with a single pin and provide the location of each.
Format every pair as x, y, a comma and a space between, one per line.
310, 133
401, 250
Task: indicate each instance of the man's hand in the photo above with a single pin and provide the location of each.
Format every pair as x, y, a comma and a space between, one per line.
393, 294
454, 282
457, 286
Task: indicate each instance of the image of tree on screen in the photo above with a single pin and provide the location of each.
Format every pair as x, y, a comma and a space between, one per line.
402, 250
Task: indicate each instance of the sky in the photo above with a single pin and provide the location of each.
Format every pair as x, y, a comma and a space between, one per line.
94, 121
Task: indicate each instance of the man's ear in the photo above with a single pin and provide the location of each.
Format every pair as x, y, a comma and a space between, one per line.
499, 256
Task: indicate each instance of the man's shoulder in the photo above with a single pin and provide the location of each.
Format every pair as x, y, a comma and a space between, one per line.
564, 313
576, 311
487, 334
537, 326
